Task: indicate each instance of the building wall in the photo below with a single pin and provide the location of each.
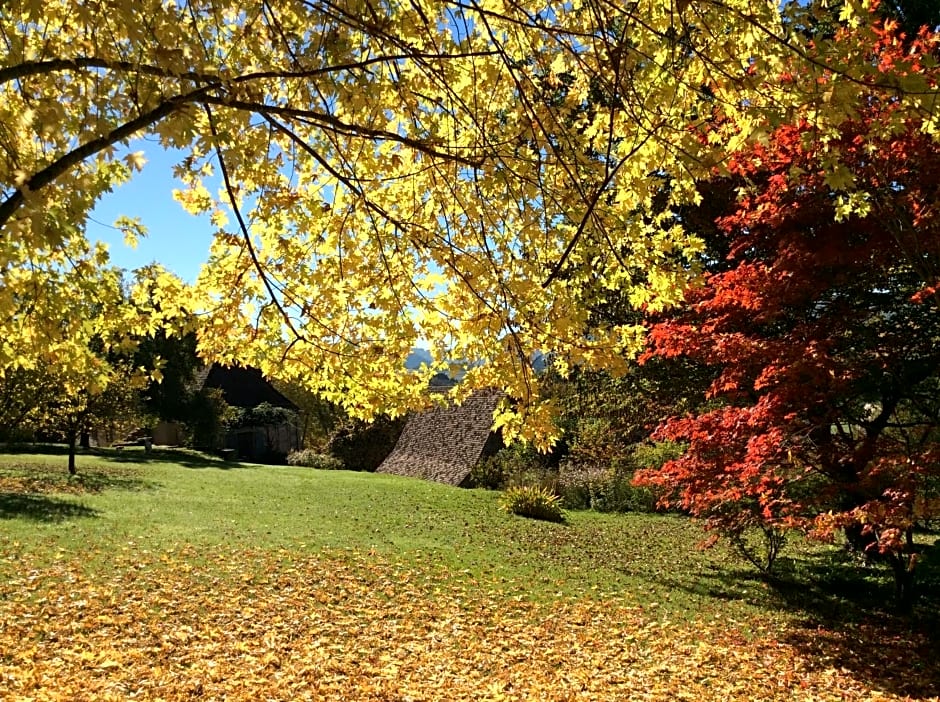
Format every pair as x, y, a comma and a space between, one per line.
168, 434
263, 443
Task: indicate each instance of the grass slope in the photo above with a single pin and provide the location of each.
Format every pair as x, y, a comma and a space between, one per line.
121, 501
176, 576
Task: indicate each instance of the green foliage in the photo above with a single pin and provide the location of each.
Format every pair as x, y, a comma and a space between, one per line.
317, 418
603, 488
262, 415
578, 484
927, 505
362, 445
654, 454
487, 473
113, 412
533, 502
517, 464
169, 398
314, 459
23, 393
608, 419
209, 415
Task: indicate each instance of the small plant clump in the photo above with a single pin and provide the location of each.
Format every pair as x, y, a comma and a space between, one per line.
533, 502
312, 459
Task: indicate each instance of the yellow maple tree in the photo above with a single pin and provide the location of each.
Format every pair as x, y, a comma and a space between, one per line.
472, 174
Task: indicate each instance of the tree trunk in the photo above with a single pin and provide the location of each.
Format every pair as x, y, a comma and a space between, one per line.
903, 582
85, 440
901, 565
858, 539
72, 440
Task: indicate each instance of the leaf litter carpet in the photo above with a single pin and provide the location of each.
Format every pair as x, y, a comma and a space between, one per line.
185, 625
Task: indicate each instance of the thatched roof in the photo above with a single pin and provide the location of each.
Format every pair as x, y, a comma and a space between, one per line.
442, 444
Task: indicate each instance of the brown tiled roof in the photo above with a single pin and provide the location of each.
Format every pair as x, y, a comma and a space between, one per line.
442, 444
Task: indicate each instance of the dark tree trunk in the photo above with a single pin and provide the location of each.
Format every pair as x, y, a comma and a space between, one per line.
858, 539
71, 441
85, 440
901, 564
903, 582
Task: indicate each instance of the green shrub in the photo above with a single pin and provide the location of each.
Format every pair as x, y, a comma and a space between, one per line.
363, 446
208, 415
516, 464
607, 486
602, 489
487, 473
654, 455
578, 484
533, 502
314, 459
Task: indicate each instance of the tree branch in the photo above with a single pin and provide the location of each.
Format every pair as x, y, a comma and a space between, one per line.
34, 68
592, 204
246, 236
48, 174
323, 119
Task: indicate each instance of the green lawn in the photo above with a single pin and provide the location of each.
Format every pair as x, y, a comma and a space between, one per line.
136, 526
122, 500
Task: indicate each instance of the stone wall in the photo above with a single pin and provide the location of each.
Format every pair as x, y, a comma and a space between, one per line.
444, 443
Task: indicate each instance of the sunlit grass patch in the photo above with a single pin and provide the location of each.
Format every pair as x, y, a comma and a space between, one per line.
230, 581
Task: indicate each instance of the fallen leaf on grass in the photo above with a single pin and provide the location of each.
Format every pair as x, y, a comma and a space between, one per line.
346, 626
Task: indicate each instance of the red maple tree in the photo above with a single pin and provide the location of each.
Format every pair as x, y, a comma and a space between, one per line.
825, 329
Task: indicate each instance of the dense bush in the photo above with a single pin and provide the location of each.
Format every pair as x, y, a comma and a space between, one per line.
604, 484
602, 489
579, 483
208, 415
317, 418
363, 446
516, 464
262, 415
313, 459
654, 454
486, 473
533, 502
610, 488
607, 419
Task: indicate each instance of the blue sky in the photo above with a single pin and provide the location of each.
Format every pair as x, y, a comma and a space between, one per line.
177, 239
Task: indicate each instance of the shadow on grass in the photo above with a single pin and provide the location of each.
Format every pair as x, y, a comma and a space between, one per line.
183, 457
43, 449
847, 616
28, 477
40, 508
888, 654
132, 454
100, 478
26, 480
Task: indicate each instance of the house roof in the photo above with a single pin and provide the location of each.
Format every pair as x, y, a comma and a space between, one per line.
242, 386
443, 443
